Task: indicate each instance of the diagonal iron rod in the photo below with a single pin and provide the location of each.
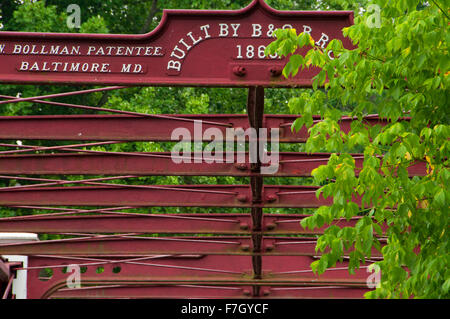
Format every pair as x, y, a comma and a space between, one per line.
36, 186
85, 107
29, 148
49, 96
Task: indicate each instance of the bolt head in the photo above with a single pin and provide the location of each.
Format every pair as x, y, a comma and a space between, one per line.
245, 247
243, 226
239, 70
275, 71
242, 198
241, 166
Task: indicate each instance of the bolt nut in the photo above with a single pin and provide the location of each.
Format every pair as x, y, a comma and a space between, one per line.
246, 292
275, 71
271, 226
266, 292
239, 70
241, 166
270, 248
242, 198
243, 226
245, 247
271, 198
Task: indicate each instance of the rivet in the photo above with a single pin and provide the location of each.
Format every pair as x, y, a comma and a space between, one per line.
243, 226
274, 71
242, 198
241, 166
239, 70
271, 198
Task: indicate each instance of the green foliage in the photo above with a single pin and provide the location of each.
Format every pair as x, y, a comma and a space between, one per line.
399, 69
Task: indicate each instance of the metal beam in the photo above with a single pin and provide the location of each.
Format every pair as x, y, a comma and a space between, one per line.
162, 164
209, 292
167, 273
228, 224
142, 246
153, 292
140, 128
164, 195
5, 272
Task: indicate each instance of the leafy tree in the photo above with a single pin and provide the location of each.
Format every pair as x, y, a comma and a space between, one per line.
398, 68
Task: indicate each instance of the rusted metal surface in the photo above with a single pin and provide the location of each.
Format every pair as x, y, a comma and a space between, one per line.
231, 224
123, 245
232, 43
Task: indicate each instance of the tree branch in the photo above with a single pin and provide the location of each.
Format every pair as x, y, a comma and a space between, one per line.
154, 9
441, 9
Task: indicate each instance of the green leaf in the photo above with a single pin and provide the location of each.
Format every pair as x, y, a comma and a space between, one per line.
439, 198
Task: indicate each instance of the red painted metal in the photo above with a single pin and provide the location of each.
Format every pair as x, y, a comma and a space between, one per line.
208, 292
110, 163
113, 127
8, 288
146, 128
321, 292
165, 274
29, 148
165, 195
150, 292
118, 245
5, 272
163, 224
174, 53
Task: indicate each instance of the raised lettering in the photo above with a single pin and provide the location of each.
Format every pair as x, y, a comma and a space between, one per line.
323, 40
257, 30
235, 27
24, 66
178, 56
223, 30
17, 49
194, 41
307, 29
174, 65
205, 28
